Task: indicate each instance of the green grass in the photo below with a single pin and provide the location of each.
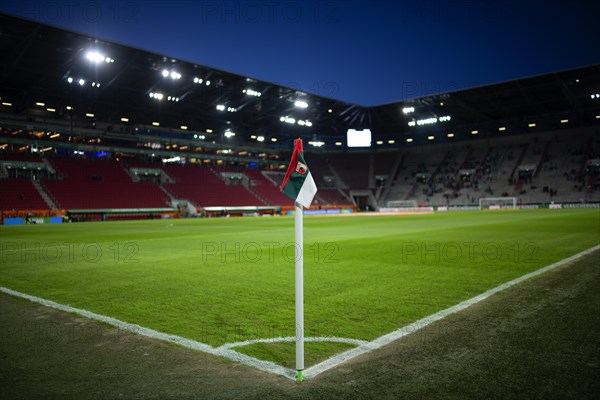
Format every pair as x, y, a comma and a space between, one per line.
227, 280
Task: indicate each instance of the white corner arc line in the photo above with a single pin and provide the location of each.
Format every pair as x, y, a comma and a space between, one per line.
271, 367
356, 342
262, 365
415, 326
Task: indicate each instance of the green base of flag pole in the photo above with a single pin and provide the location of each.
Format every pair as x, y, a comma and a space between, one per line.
300, 376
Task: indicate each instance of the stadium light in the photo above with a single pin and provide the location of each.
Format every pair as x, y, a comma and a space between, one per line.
409, 140
316, 143
502, 128
40, 104
564, 121
430, 121
251, 92
97, 58
51, 109
430, 137
407, 110
94, 56
273, 139
532, 125
123, 119
427, 121
330, 110
451, 135
174, 75
260, 139
183, 127
70, 108
287, 119
252, 136
391, 141
229, 134
170, 160
81, 82
209, 131
89, 115
198, 80
304, 123
7, 104
70, 80
301, 104
207, 83
379, 142
474, 132
156, 123
338, 143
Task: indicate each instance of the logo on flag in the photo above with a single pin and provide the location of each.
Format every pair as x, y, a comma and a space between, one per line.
301, 168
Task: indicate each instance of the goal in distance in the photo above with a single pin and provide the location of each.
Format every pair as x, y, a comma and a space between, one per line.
497, 203
402, 204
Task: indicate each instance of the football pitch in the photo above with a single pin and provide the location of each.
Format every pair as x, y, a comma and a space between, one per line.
226, 281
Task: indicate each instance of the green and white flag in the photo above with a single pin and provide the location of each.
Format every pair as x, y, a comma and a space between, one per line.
298, 183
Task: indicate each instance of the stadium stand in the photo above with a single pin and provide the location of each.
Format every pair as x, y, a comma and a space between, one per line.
94, 184
538, 168
354, 169
11, 156
533, 168
331, 197
20, 194
266, 189
204, 188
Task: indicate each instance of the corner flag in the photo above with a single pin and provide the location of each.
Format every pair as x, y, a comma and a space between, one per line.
298, 184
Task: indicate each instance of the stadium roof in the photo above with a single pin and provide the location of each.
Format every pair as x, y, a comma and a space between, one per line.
125, 85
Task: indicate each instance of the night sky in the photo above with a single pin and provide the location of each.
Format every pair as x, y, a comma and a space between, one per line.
363, 52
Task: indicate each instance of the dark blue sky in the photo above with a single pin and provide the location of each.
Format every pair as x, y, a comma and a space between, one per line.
364, 52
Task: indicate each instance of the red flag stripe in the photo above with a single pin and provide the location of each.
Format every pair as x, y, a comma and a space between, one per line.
294, 161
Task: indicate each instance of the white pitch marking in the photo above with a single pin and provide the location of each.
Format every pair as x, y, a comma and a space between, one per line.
267, 366
357, 342
262, 365
415, 326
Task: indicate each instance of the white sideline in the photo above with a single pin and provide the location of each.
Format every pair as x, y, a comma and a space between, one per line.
271, 367
357, 342
262, 365
415, 326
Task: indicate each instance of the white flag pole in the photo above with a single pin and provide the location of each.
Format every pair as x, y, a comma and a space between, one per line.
299, 291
